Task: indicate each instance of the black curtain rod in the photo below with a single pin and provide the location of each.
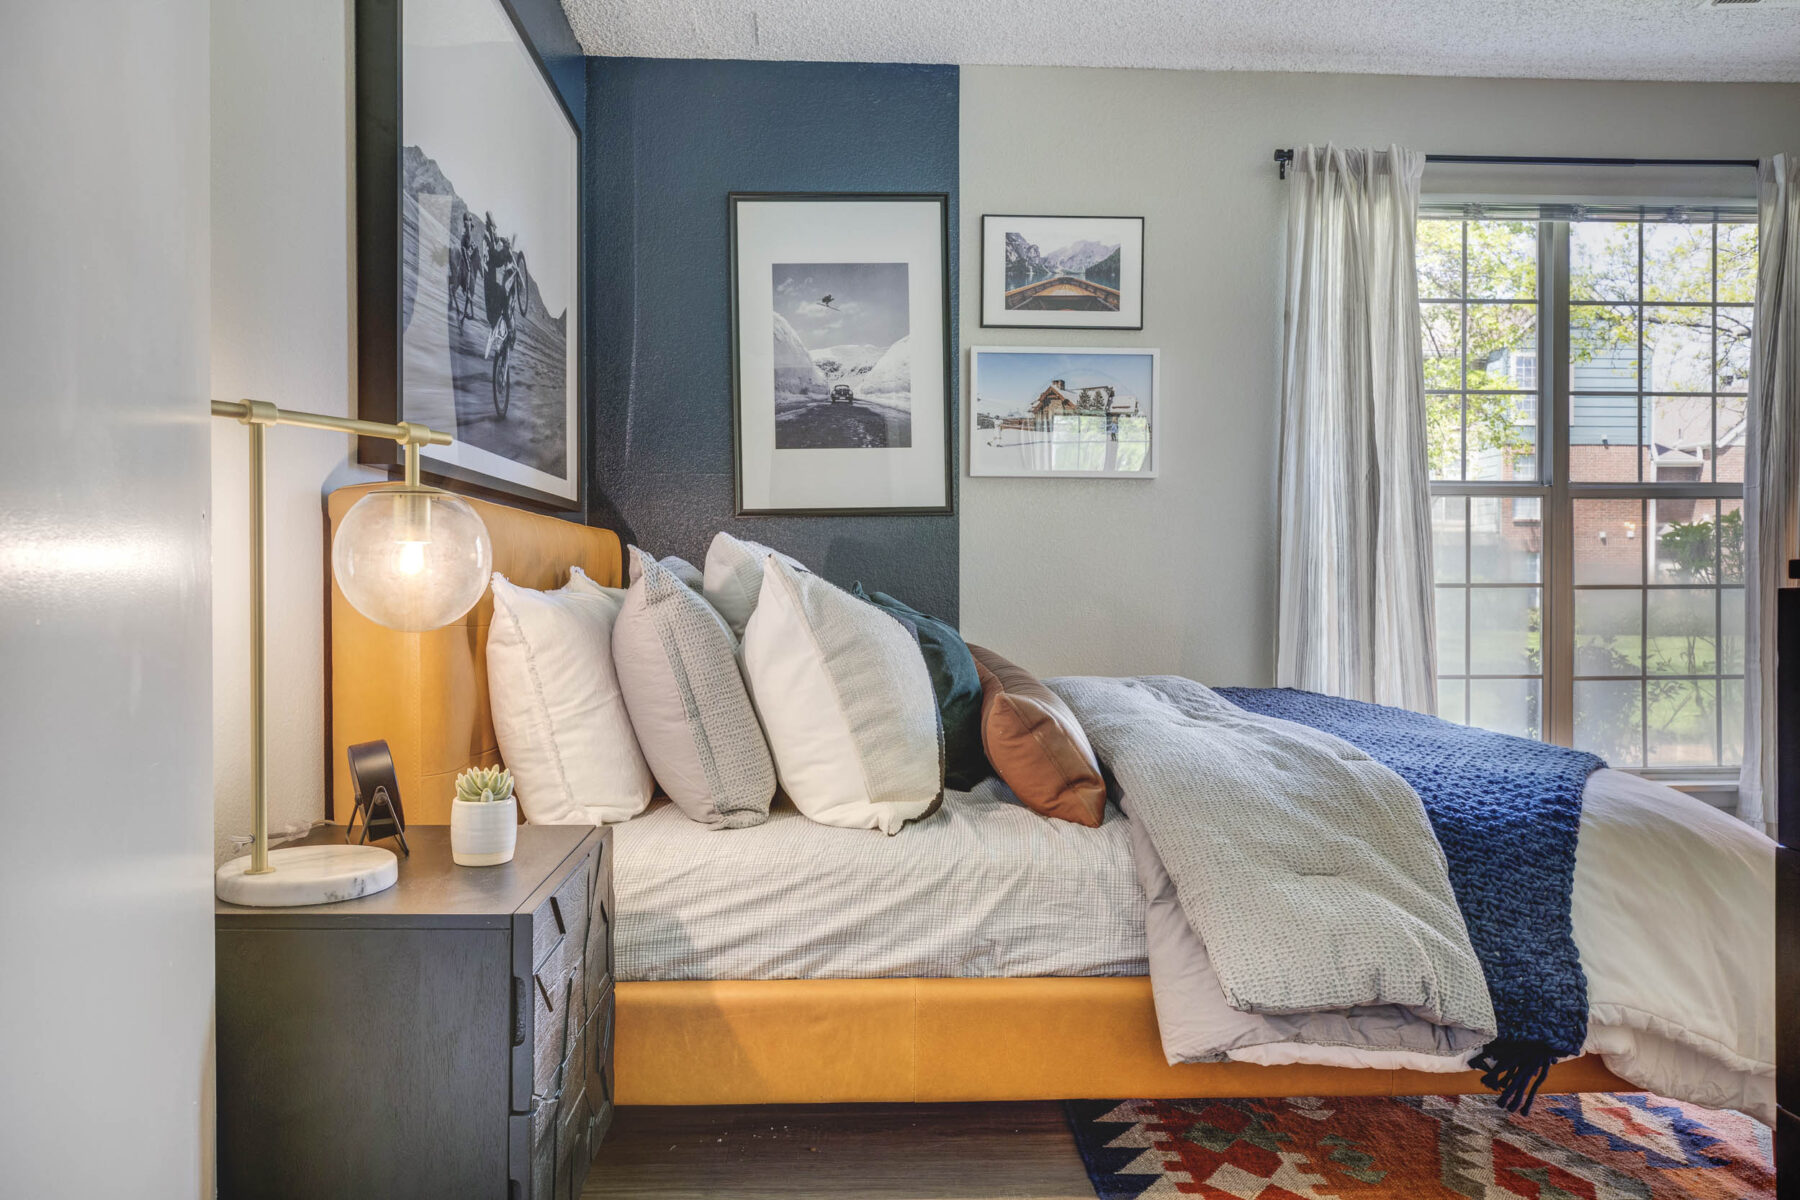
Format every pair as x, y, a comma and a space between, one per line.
1284, 157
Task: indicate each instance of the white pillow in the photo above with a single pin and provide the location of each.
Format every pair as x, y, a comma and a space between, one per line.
558, 712
846, 700
734, 576
677, 665
581, 581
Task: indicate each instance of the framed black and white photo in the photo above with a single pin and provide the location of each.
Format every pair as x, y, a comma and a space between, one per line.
1075, 412
841, 352
1062, 272
468, 247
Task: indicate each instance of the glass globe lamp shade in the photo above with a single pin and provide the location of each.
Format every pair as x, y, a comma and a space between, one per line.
411, 558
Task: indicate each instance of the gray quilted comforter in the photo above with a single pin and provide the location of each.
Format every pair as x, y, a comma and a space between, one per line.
1296, 891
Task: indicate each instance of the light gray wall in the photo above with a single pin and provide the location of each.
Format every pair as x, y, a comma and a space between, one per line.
281, 331
106, 971
1177, 574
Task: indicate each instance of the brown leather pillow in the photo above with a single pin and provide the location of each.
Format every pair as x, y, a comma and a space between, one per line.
1035, 744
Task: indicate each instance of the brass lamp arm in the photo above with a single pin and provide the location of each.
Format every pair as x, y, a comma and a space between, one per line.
259, 412
410, 434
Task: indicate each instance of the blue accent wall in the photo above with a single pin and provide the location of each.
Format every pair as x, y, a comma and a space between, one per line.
667, 141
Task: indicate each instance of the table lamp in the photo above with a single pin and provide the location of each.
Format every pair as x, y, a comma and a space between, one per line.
407, 556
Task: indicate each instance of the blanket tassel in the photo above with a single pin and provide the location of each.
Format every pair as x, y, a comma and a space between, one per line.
1514, 1069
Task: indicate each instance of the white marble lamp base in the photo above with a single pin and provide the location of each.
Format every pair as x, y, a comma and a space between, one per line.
308, 875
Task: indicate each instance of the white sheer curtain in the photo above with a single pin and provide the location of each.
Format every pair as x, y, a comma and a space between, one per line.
1355, 598
1772, 477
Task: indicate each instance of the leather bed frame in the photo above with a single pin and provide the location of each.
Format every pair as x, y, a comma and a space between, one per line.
789, 1041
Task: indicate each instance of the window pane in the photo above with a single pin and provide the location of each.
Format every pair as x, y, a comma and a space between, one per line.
1504, 626
1440, 332
1735, 325
1603, 433
1502, 550
1678, 349
1603, 257
1502, 433
1737, 262
1502, 347
1506, 705
1682, 728
1503, 260
1681, 632
1439, 255
1731, 541
1678, 430
1609, 721
1729, 465
1686, 548
1452, 693
1609, 627
1607, 549
1449, 537
1452, 652
1678, 262
1443, 432
1731, 721
1603, 348
1731, 631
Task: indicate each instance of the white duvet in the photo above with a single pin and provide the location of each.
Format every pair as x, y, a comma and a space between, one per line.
1674, 913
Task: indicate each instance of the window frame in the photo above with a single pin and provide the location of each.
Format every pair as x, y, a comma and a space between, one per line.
1557, 493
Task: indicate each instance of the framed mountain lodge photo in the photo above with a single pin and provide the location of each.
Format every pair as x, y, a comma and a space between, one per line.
1064, 412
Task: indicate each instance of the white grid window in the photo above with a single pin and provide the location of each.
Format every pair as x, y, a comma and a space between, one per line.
1586, 519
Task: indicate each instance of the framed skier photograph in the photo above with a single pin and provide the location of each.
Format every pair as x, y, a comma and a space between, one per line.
468, 247
841, 371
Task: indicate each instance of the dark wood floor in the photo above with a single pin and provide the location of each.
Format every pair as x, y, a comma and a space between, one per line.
878, 1151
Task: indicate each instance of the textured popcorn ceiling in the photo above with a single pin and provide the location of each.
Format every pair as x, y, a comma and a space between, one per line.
1551, 39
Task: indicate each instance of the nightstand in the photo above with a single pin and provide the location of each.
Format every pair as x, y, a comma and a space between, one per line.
451, 1036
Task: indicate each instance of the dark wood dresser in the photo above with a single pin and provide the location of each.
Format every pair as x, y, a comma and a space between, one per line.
449, 1037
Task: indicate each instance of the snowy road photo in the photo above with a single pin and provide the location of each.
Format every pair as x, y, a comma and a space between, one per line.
843, 357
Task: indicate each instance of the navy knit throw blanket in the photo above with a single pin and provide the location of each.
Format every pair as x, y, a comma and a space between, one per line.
1507, 812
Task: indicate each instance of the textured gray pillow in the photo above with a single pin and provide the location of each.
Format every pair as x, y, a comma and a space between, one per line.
734, 576
684, 570
678, 671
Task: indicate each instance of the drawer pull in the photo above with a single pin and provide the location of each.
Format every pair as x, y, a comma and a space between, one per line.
562, 926
544, 992
521, 1007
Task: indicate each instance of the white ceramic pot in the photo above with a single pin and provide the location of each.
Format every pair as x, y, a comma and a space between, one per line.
483, 835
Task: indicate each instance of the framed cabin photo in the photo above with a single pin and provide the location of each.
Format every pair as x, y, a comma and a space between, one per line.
1062, 272
468, 213
840, 353
1075, 413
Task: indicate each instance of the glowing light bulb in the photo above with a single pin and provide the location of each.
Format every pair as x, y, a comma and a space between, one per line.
412, 558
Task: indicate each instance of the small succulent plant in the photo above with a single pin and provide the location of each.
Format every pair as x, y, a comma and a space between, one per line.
484, 785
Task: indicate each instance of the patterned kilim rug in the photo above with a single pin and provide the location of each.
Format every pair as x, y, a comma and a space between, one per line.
1594, 1147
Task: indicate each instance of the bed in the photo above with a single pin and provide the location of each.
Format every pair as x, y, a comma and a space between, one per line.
993, 1007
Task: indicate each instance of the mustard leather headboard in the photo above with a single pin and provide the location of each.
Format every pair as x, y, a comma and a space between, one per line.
425, 694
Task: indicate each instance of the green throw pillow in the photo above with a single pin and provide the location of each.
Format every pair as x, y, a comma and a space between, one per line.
957, 686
